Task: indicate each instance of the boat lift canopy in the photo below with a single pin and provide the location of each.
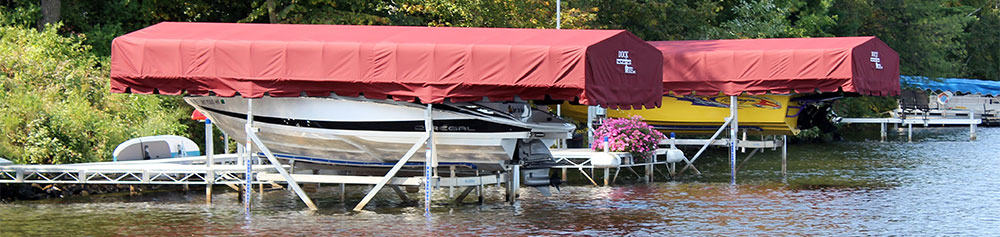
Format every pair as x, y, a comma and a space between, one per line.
863, 65
610, 68
971, 86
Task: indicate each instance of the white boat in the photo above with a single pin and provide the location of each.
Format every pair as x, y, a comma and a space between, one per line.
155, 147
354, 131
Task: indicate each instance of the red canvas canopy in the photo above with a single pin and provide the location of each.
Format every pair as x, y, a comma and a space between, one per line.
612, 68
865, 65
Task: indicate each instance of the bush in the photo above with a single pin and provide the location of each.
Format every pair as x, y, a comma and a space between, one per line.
627, 135
56, 106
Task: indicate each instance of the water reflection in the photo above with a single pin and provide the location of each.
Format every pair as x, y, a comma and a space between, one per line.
942, 185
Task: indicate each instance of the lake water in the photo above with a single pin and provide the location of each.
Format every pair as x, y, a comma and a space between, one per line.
940, 185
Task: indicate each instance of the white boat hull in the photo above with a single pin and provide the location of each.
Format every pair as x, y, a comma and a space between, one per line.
360, 132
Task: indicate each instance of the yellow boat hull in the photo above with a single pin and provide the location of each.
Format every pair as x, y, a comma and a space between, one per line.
759, 114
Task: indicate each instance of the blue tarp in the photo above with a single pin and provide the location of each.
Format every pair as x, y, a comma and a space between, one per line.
971, 86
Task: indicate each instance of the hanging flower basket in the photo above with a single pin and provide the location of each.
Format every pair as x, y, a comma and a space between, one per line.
630, 135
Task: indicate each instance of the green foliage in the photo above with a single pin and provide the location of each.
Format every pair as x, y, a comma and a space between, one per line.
926, 34
983, 45
56, 105
777, 19
19, 12
658, 20
102, 20
864, 106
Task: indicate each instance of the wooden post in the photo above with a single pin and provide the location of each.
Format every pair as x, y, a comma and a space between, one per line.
607, 172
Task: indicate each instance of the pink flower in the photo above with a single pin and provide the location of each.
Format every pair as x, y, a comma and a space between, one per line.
627, 135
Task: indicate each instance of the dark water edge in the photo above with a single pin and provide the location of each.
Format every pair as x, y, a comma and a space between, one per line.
940, 185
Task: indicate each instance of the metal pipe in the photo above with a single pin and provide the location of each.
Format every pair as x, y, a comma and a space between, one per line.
248, 150
281, 170
909, 132
690, 163
516, 181
733, 140
784, 155
972, 127
883, 133
590, 124
451, 186
561, 142
392, 173
558, 14
210, 161
428, 159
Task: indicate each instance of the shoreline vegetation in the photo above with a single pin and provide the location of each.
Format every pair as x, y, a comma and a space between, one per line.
56, 108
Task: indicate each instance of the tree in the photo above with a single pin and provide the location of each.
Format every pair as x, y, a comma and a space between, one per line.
50, 12
777, 19
926, 34
56, 105
658, 20
983, 43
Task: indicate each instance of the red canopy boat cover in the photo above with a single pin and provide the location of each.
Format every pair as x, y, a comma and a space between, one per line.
611, 68
864, 65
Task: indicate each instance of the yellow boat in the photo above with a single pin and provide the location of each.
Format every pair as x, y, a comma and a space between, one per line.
759, 114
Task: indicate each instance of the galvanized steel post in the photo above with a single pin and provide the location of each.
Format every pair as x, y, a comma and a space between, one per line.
733, 140
210, 161
972, 126
428, 162
248, 151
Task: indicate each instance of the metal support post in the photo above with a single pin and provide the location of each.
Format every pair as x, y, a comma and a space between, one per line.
561, 142
744, 149
343, 193
277, 166
252, 138
733, 140
607, 172
392, 173
558, 13
972, 127
247, 151
225, 143
883, 132
784, 154
909, 132
515, 183
451, 185
690, 162
590, 124
429, 162
209, 161
479, 187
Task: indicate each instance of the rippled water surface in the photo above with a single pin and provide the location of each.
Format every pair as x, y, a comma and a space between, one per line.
940, 185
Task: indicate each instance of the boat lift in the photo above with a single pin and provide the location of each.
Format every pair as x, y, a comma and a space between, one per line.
429, 181
240, 169
581, 158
